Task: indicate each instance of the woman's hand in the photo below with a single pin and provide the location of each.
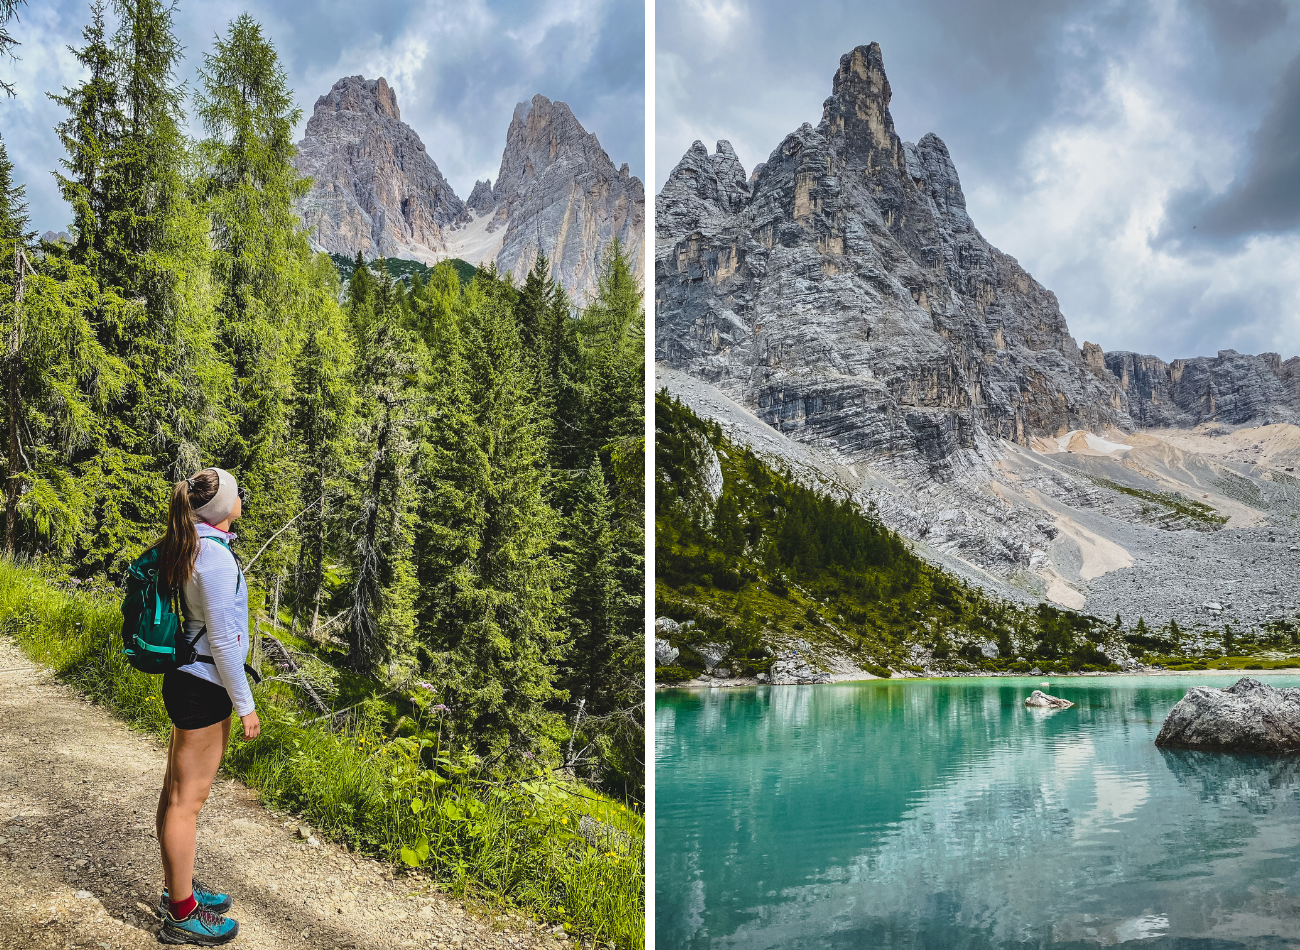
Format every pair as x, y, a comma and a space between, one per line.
252, 726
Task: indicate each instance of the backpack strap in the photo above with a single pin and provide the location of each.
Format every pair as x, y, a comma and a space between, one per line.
200, 658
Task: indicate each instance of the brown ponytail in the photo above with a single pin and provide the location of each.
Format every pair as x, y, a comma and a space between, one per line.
179, 547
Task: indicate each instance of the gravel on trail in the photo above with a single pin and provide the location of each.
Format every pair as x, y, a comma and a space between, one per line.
79, 863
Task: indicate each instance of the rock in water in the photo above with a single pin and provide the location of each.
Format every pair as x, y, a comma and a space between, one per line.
1041, 700
1248, 716
558, 192
374, 188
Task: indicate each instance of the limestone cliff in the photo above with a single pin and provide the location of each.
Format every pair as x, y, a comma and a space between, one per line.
375, 189
1232, 388
843, 294
558, 192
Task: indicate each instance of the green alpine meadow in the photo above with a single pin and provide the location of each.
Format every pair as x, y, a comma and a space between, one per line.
444, 537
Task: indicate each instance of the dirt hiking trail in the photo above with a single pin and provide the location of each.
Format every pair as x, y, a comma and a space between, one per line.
79, 863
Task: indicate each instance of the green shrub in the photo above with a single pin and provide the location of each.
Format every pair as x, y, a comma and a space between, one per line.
672, 674
882, 671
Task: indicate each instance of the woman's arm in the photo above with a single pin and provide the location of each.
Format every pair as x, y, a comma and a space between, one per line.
216, 576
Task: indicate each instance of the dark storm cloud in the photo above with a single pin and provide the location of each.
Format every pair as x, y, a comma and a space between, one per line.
1266, 198
1085, 135
1243, 22
458, 69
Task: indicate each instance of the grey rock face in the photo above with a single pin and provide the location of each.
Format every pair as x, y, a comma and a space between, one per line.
1248, 716
711, 653
1232, 388
791, 672
375, 189
480, 198
843, 295
1041, 700
665, 653
558, 193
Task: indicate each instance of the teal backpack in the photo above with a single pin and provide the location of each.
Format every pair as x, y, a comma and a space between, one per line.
153, 628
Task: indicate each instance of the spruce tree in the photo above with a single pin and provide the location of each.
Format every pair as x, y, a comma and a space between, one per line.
324, 404
490, 610
8, 11
90, 135
591, 606
388, 365
261, 258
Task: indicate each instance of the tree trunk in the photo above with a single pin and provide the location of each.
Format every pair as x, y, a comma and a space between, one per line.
318, 568
13, 408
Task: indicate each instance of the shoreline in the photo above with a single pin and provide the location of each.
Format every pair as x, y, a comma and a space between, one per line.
837, 678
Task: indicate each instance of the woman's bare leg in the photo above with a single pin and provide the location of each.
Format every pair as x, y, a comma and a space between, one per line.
192, 762
162, 795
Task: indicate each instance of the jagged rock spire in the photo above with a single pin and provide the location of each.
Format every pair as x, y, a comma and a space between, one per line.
856, 117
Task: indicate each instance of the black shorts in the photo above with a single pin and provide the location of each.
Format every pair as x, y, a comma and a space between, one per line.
193, 703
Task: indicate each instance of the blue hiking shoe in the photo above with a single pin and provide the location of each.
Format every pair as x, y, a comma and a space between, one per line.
201, 927
206, 897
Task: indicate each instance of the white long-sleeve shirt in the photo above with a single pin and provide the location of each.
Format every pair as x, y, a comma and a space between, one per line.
216, 596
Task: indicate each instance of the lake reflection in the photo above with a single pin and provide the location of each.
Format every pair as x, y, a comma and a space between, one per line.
944, 814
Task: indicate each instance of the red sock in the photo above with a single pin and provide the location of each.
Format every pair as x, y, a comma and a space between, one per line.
182, 909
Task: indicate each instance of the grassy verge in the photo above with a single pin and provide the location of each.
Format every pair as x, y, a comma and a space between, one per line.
552, 848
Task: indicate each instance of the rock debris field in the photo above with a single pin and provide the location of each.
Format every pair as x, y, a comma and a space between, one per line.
79, 862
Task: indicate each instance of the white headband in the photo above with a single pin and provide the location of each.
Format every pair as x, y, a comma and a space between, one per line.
222, 504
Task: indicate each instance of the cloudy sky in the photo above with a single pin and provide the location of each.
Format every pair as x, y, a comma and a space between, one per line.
458, 66
1141, 159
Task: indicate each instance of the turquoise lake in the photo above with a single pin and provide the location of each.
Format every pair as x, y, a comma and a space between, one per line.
945, 814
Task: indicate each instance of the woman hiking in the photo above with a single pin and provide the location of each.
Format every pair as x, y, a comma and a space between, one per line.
195, 557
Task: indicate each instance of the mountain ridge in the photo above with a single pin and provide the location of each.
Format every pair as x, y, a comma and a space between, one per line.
377, 191
838, 308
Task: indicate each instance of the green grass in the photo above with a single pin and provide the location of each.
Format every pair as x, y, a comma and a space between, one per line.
1193, 510
406, 798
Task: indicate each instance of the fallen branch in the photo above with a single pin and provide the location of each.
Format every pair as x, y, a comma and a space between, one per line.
301, 681
249, 565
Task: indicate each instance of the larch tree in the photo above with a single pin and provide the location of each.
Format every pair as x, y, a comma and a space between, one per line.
261, 260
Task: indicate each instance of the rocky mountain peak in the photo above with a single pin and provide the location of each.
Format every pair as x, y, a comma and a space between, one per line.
542, 133
843, 294
375, 190
361, 95
562, 196
856, 117
480, 198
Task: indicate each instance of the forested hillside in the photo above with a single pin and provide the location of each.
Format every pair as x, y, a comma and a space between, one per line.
755, 560
445, 474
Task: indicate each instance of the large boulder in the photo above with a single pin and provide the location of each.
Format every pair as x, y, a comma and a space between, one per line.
1248, 716
791, 671
665, 653
1041, 700
711, 653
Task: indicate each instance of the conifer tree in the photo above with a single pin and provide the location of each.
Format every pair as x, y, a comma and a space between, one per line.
491, 611
261, 257
144, 169
591, 607
389, 359
323, 411
90, 135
